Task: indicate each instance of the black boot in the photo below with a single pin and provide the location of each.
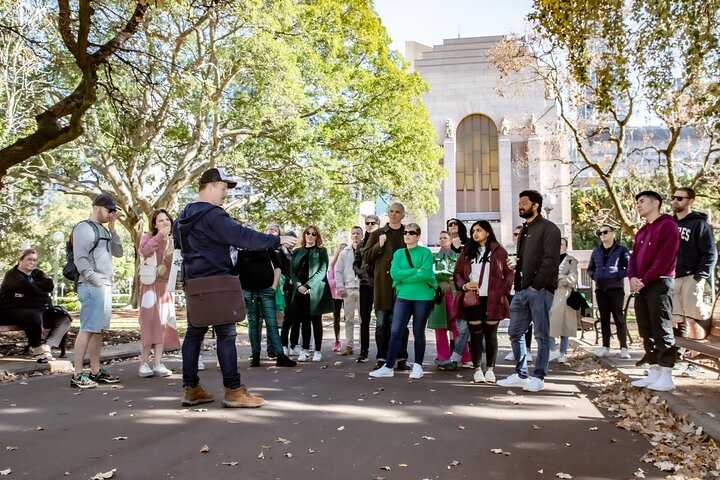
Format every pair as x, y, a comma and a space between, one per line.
284, 361
255, 362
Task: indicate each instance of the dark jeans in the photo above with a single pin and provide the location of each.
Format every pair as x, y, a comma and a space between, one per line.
226, 354
610, 302
261, 304
29, 319
383, 329
366, 303
420, 311
653, 311
529, 333
530, 305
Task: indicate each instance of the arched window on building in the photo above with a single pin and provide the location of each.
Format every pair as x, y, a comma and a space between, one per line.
478, 176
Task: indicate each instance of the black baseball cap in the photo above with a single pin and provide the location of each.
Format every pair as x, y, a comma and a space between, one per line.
105, 200
217, 175
649, 193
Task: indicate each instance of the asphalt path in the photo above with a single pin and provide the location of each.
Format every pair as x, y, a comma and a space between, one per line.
324, 420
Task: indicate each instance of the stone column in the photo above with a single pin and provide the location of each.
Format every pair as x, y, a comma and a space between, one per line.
507, 202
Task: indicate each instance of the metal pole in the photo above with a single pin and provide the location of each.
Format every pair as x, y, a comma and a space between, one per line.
55, 274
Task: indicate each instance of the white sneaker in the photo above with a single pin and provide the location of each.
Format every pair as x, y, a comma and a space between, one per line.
201, 363
652, 375
296, 351
303, 356
161, 370
382, 372
513, 380
479, 376
417, 371
286, 351
562, 358
490, 376
317, 357
664, 383
534, 384
624, 353
467, 365
145, 371
510, 357
602, 352
554, 355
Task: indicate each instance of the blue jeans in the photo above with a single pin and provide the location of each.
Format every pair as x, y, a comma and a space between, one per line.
261, 304
564, 341
462, 338
527, 306
226, 353
420, 311
383, 330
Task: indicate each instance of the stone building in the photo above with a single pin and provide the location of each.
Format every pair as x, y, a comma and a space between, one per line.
498, 138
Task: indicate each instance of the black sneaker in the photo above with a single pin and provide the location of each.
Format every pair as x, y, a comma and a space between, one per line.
362, 359
82, 380
103, 376
642, 361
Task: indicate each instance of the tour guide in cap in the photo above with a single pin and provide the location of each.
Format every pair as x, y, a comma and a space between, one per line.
207, 233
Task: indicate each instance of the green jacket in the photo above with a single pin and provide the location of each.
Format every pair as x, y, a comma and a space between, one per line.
320, 297
416, 282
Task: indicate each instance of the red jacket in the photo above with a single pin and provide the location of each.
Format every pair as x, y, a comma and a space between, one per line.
501, 280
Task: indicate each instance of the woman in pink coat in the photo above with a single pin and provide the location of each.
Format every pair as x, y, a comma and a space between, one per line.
158, 329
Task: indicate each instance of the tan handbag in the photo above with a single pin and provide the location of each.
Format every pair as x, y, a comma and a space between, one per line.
147, 272
216, 300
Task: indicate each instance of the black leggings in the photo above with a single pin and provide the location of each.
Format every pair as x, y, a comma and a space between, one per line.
478, 333
337, 306
302, 315
29, 319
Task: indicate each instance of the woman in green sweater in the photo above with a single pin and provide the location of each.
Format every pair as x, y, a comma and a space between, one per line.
414, 283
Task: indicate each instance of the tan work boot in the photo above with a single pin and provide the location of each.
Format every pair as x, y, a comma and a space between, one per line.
347, 351
196, 395
240, 398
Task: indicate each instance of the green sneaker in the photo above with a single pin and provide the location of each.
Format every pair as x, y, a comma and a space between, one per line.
448, 365
103, 376
82, 380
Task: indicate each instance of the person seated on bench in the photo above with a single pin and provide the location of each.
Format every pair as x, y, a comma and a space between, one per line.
23, 296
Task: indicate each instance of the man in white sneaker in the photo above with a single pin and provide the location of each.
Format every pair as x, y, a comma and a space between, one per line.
652, 277
608, 269
695, 264
536, 278
347, 285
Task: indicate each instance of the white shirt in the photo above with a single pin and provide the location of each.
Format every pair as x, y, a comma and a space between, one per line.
475, 273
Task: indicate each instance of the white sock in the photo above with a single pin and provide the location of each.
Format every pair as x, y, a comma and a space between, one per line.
455, 357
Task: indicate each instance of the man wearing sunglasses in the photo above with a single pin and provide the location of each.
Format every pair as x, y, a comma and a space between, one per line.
695, 263
93, 249
365, 273
652, 277
608, 269
379, 251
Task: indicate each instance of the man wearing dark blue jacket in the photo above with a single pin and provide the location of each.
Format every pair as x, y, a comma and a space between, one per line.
205, 232
695, 264
608, 268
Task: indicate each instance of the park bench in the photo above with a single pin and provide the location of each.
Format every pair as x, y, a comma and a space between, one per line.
592, 323
26, 350
708, 347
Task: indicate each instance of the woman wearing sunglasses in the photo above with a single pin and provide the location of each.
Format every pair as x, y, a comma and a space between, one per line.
311, 297
414, 283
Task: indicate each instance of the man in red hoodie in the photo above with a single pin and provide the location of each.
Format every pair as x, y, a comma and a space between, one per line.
652, 278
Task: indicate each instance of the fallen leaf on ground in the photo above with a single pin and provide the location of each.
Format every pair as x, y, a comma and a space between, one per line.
310, 450
461, 427
7, 471
385, 467
119, 438
204, 449
536, 427
104, 475
639, 473
341, 428
230, 464
403, 465
283, 440
592, 429
201, 409
428, 438
261, 455
11, 448
288, 454
497, 450
563, 475
454, 463
541, 471
112, 414
38, 428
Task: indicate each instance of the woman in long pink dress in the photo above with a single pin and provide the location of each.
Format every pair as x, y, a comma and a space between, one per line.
158, 329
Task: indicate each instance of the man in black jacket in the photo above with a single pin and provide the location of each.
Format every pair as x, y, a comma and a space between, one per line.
695, 264
536, 277
364, 271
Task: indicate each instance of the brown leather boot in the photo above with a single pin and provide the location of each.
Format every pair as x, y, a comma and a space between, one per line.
196, 395
240, 398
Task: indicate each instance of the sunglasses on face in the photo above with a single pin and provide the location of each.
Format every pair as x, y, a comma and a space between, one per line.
314, 234
603, 232
452, 224
370, 223
679, 199
411, 232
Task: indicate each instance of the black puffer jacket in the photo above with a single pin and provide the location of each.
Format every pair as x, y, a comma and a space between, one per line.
25, 291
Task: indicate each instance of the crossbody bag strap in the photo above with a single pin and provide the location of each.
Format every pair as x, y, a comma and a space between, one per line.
407, 253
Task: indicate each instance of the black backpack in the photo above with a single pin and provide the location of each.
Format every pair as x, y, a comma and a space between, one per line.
70, 271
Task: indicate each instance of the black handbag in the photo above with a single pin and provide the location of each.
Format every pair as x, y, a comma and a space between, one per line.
576, 301
438, 291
